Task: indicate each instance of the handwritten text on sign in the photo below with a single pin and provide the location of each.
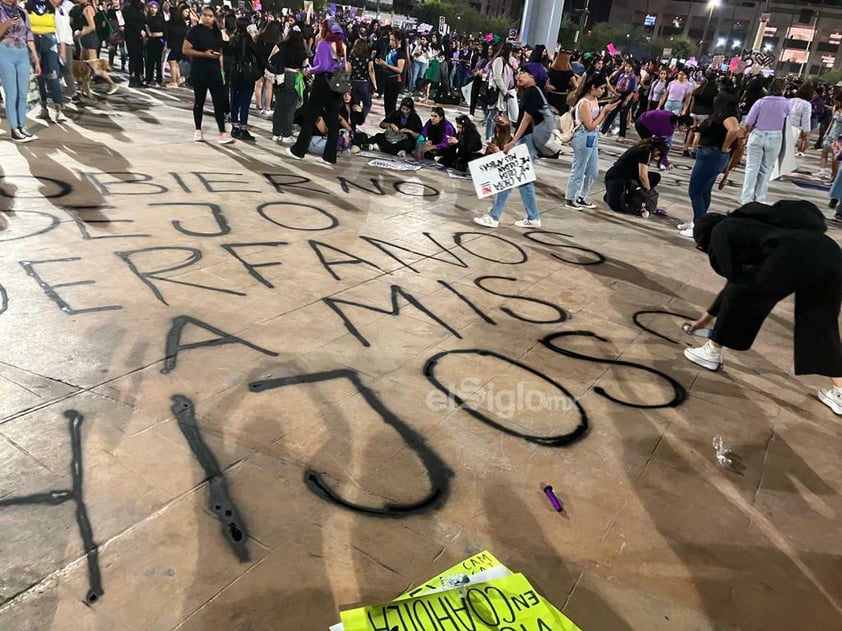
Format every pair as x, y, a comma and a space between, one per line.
501, 171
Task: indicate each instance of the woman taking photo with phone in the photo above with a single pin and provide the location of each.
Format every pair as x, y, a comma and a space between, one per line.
203, 44
588, 117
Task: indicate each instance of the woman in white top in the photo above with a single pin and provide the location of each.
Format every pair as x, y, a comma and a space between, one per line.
501, 78
588, 117
800, 111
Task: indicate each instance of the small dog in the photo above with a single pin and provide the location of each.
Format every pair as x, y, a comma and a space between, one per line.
84, 72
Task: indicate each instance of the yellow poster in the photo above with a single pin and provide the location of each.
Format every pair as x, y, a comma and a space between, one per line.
481, 562
504, 604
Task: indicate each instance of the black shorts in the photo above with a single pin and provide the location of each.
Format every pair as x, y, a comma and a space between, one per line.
90, 41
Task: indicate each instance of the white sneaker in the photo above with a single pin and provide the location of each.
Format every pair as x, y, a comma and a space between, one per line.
225, 139
401, 153
685, 226
487, 220
289, 152
585, 202
832, 398
526, 222
707, 356
114, 87
275, 138
198, 136
686, 233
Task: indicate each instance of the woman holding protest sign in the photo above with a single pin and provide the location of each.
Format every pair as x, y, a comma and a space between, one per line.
530, 114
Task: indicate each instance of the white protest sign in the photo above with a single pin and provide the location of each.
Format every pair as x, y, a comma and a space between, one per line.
501, 171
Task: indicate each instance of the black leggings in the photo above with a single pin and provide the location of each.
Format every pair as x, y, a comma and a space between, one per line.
204, 79
392, 148
135, 48
391, 89
154, 59
322, 102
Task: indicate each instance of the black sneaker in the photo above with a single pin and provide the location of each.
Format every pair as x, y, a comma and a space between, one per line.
26, 134
236, 132
570, 203
17, 136
585, 203
245, 135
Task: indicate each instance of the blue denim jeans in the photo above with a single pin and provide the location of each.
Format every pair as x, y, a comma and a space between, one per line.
836, 187
47, 47
14, 75
240, 101
762, 151
585, 167
527, 191
710, 162
418, 70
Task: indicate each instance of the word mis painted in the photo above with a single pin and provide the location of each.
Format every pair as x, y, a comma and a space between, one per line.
501, 171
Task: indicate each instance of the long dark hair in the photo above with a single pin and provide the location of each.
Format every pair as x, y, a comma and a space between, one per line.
654, 143
360, 48
271, 35
437, 131
593, 81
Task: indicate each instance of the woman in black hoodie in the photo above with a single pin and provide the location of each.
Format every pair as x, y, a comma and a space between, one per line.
466, 146
768, 253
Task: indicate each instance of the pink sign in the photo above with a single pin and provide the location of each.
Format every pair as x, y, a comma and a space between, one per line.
611, 49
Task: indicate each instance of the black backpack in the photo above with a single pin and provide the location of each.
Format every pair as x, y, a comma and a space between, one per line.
77, 17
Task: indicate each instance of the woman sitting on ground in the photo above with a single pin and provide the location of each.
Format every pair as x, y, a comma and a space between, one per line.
502, 135
438, 132
401, 130
466, 146
628, 182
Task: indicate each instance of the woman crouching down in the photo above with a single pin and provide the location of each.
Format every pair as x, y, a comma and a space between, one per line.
767, 253
629, 183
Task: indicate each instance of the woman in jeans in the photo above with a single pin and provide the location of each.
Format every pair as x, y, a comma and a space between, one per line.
528, 80
42, 19
17, 46
324, 102
290, 58
245, 57
500, 76
717, 136
588, 116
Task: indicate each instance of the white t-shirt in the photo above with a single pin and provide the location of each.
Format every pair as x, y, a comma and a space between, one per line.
800, 112
64, 32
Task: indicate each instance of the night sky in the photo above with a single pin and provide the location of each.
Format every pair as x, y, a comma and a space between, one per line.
600, 9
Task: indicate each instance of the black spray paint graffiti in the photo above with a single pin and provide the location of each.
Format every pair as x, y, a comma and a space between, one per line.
437, 471
174, 345
558, 440
636, 320
219, 500
395, 310
50, 289
193, 256
76, 495
679, 393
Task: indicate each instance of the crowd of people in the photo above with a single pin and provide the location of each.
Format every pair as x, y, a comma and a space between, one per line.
316, 77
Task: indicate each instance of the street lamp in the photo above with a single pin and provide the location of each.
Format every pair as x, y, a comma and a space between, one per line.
712, 4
